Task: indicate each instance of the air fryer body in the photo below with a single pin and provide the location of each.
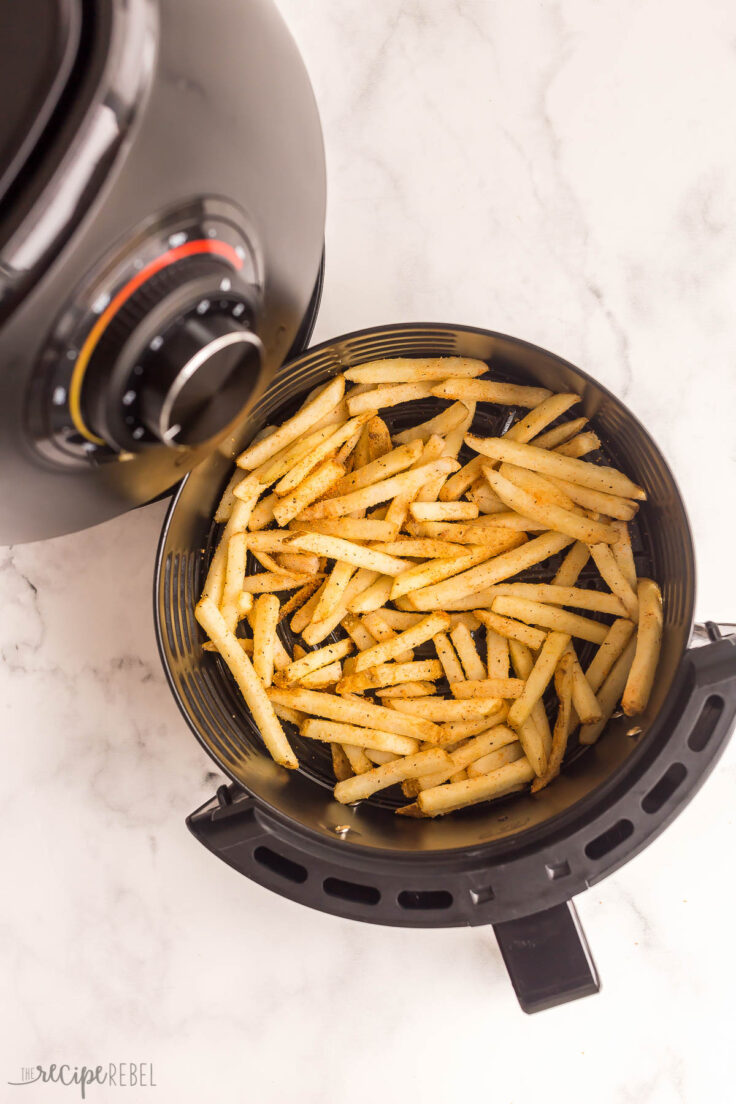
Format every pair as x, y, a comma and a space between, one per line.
201, 124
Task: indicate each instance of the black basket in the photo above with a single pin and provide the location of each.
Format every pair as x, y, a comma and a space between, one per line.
514, 863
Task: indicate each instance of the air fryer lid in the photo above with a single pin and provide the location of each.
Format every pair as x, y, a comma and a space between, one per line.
38, 46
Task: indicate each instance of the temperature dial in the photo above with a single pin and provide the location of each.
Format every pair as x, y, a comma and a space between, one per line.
177, 360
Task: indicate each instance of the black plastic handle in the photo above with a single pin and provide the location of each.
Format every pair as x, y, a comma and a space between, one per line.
547, 957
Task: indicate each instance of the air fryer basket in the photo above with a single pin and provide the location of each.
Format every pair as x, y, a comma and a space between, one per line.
513, 863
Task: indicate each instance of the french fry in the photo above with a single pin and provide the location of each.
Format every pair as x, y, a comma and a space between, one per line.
236, 523
420, 548
491, 391
298, 563
404, 619
316, 484
617, 638
487, 501
549, 515
251, 687
623, 553
265, 619
579, 446
410, 638
312, 661
355, 529
386, 395
539, 677
488, 742
335, 587
358, 633
379, 438
542, 415
269, 582
323, 402
612, 506
465, 647
443, 511
340, 762
488, 688
595, 476
390, 674
407, 690
540, 487
234, 576
648, 643
443, 423
357, 758
323, 677
458, 483
331, 443
316, 631
493, 571
362, 454
453, 732
442, 709
573, 563
553, 594
227, 501
563, 686
293, 716
266, 560
303, 615
412, 766
337, 548
446, 653
383, 467
551, 617
609, 694
334, 732
245, 604
612, 575
372, 597
380, 757
495, 759
584, 702
557, 436
433, 571
411, 810
356, 711
534, 733
411, 370
511, 629
497, 654
405, 482
263, 513
382, 631
456, 795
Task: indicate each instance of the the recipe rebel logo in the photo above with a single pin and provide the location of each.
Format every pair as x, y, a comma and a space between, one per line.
117, 1075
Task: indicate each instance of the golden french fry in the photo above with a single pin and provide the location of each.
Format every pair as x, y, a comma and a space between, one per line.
355, 529
322, 404
623, 552
334, 440
488, 688
293, 716
456, 795
263, 513
551, 617
512, 630
312, 661
617, 638
553, 517
245, 604
539, 677
356, 711
335, 587
411, 370
384, 395
563, 686
316, 631
303, 615
337, 548
495, 759
236, 523
411, 766
609, 694
316, 484
340, 762
465, 647
433, 571
542, 415
265, 619
390, 674
579, 446
266, 560
535, 733
557, 436
486, 500
573, 563
227, 501
380, 757
493, 571
442, 709
407, 482
298, 563
491, 391
540, 487
334, 732
383, 467
595, 476
458, 484
323, 677
419, 548
407, 690
453, 732
443, 423
612, 506
488, 742
552, 594
648, 643
251, 687
358, 633
497, 654
410, 638
357, 758
269, 582
584, 702
234, 576
612, 575
446, 653
372, 597
443, 511
378, 438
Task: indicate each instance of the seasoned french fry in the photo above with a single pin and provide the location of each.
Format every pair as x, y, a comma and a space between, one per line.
407, 690
493, 571
443, 511
579, 446
623, 553
357, 758
316, 484
331, 443
612, 506
312, 661
382, 631
648, 643
611, 574
465, 647
563, 686
358, 633
488, 742
323, 677
384, 466
410, 638
491, 391
298, 563
419, 548
355, 529
380, 757
585, 707
455, 731
251, 687
609, 694
266, 560
265, 619
390, 674
236, 523
495, 759
557, 436
488, 688
356, 711
263, 513
372, 597
443, 423
553, 517
573, 563
595, 476
458, 483
234, 576
340, 762
540, 487
497, 654
407, 482
534, 733
245, 604
334, 732
617, 638
269, 582
553, 594
410, 370
385, 395
322, 404
412, 766
433, 571
456, 795
542, 415
446, 653
442, 709
316, 631
487, 501
335, 587
551, 617
293, 716
541, 673
511, 629
337, 548
303, 615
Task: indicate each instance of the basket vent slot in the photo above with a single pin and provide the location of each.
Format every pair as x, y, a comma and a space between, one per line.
706, 723
279, 864
351, 891
609, 839
421, 899
675, 774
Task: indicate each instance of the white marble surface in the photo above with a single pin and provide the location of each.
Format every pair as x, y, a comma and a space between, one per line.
565, 172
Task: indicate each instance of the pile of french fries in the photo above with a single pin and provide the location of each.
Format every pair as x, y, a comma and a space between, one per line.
388, 545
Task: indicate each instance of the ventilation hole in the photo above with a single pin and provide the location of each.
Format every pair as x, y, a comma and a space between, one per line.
480, 896
425, 899
609, 839
280, 865
664, 789
706, 723
557, 870
351, 891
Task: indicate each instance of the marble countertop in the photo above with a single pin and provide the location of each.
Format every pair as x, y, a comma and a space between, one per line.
564, 172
